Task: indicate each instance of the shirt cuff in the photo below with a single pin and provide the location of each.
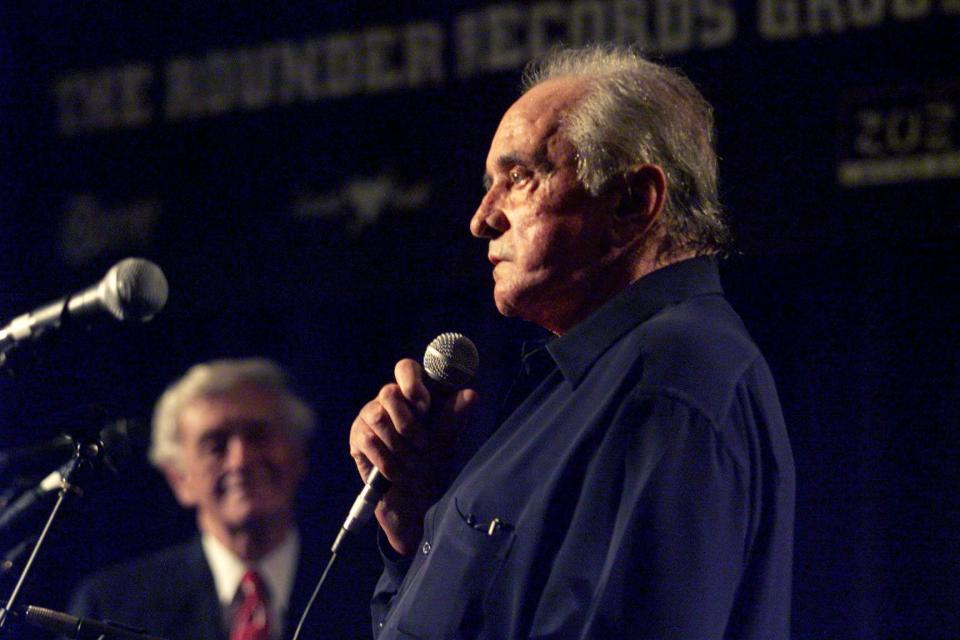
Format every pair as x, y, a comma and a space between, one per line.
394, 564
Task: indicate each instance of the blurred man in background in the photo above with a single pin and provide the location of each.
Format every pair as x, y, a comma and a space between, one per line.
231, 439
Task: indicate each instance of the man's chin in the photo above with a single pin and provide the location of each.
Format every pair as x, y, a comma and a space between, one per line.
251, 521
512, 307
248, 514
505, 305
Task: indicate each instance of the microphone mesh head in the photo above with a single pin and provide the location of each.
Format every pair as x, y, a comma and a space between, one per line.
452, 360
135, 289
51, 620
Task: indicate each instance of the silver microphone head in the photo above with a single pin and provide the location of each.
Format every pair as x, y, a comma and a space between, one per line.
134, 289
451, 360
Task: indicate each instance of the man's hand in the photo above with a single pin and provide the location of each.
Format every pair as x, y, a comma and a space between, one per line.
390, 434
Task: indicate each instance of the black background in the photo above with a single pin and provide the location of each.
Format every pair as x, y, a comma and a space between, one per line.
850, 291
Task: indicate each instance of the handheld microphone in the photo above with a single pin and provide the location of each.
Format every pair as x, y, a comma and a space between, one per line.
133, 289
450, 363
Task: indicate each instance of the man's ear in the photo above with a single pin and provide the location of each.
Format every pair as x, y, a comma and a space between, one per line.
644, 195
179, 486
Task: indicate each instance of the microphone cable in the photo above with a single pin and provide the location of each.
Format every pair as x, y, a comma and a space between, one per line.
316, 591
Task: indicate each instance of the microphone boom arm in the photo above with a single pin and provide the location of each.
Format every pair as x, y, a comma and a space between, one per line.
86, 455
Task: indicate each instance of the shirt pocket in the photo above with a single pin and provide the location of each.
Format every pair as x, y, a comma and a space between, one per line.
464, 556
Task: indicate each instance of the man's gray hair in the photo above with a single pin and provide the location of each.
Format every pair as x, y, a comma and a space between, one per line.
220, 377
637, 111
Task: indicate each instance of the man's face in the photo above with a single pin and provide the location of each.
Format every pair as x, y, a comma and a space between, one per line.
549, 238
239, 467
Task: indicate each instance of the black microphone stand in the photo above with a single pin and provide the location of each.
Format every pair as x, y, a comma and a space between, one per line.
87, 456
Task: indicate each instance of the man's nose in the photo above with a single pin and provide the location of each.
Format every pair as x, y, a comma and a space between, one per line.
489, 221
240, 451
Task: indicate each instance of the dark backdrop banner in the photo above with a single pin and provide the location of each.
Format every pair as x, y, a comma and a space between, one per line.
304, 174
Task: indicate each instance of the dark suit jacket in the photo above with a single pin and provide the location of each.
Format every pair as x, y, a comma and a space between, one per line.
171, 594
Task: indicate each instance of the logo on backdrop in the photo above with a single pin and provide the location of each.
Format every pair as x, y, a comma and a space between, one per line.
361, 201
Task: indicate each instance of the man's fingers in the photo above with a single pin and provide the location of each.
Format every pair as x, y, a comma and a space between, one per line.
458, 407
364, 466
409, 375
464, 402
382, 414
402, 419
368, 450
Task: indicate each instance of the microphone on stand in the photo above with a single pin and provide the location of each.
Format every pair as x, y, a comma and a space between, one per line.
16, 458
81, 628
450, 363
133, 289
113, 447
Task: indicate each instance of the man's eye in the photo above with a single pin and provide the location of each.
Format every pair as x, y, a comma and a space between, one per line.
517, 176
213, 446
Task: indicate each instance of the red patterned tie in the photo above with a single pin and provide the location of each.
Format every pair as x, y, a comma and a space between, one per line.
251, 621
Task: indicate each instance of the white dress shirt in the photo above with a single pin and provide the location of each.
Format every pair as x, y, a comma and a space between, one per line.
277, 569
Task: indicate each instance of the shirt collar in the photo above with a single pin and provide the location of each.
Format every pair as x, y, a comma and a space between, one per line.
577, 350
277, 569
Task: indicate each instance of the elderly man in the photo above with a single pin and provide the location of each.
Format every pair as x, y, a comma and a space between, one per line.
231, 440
643, 484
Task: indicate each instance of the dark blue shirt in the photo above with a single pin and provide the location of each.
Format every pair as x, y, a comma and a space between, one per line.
643, 489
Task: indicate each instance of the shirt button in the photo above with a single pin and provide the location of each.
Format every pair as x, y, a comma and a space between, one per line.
425, 549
